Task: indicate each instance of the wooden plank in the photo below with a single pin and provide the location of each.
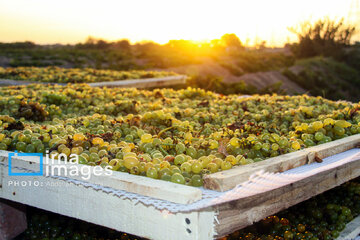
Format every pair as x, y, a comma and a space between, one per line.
351, 231
106, 209
144, 83
11, 82
240, 213
225, 180
118, 180
137, 83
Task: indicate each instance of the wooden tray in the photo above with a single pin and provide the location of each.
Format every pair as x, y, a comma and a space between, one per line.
226, 180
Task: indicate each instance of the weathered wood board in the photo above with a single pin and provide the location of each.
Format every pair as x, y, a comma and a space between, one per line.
240, 213
106, 209
225, 180
144, 83
136, 83
351, 231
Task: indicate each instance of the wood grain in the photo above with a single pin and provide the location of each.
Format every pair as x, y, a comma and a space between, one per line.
244, 212
106, 209
137, 83
225, 180
351, 231
144, 83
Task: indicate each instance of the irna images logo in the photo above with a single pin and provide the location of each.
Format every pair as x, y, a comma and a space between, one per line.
15, 154
58, 165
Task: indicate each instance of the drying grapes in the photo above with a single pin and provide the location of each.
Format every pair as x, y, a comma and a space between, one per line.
176, 136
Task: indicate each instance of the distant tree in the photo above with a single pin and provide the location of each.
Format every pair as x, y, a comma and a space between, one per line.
325, 37
232, 41
123, 45
18, 45
102, 44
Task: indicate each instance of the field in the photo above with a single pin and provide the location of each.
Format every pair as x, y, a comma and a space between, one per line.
223, 67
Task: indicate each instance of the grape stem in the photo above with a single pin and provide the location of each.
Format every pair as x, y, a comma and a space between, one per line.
164, 130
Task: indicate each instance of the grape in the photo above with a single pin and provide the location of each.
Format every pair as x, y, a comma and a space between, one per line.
213, 144
191, 151
212, 167
152, 173
319, 136
225, 165
21, 146
196, 167
234, 142
196, 180
3, 146
79, 137
130, 162
177, 178
94, 157
146, 138
342, 124
179, 159
186, 167
164, 164
30, 148
339, 130
275, 146
295, 145
97, 141
180, 148
309, 143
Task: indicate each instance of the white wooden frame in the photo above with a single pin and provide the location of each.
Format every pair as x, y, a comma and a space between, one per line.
137, 83
351, 231
125, 215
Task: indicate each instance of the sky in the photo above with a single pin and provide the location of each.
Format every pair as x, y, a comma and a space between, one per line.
72, 21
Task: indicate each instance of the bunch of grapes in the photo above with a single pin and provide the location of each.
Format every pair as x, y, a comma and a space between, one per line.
177, 136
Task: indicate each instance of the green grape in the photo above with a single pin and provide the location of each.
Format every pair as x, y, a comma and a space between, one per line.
225, 165
339, 130
265, 146
309, 143
179, 159
40, 148
197, 180
319, 136
30, 148
177, 178
191, 151
186, 167
275, 146
21, 146
180, 148
212, 167
196, 167
152, 173
3, 146
94, 157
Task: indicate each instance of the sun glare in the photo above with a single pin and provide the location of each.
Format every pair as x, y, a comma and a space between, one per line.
72, 21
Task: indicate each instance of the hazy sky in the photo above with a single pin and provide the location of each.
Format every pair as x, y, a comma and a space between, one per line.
70, 21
